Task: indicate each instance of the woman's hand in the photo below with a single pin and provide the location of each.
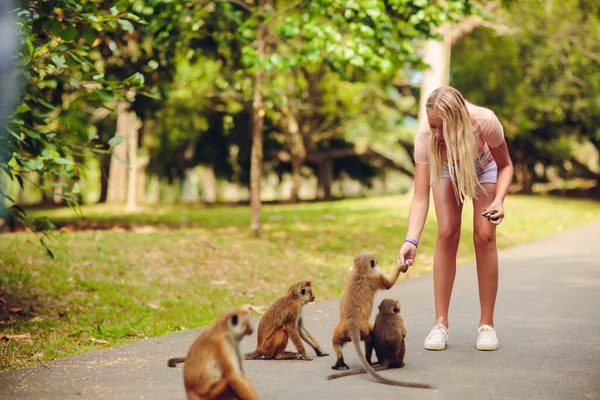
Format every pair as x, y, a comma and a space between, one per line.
494, 212
406, 255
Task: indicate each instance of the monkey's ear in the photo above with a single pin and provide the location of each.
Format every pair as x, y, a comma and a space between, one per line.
372, 263
234, 319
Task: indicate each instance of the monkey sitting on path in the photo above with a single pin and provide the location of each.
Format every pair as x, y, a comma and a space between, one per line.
356, 304
213, 366
388, 337
283, 321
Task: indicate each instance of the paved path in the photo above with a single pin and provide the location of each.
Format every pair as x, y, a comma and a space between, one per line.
547, 319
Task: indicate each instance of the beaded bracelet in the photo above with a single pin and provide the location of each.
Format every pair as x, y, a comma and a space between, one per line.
413, 241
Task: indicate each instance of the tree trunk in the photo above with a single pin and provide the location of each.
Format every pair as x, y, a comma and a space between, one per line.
142, 163
57, 191
153, 190
209, 184
437, 55
258, 114
325, 179
117, 184
132, 175
296, 145
105, 161
190, 187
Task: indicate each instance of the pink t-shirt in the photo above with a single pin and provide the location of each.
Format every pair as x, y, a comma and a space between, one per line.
486, 127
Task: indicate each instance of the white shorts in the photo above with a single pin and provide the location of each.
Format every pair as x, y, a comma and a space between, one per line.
487, 173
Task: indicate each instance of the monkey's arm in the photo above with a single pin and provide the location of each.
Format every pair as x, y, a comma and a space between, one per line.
292, 331
240, 385
388, 281
308, 338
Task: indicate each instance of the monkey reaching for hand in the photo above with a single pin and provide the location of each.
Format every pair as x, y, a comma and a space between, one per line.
356, 304
283, 321
213, 366
388, 337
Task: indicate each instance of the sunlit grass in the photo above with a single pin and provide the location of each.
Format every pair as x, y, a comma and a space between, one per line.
181, 266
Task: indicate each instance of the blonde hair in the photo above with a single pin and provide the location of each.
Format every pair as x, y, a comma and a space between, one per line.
451, 107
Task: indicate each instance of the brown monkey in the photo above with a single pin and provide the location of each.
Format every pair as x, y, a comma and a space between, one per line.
213, 365
388, 337
356, 304
283, 321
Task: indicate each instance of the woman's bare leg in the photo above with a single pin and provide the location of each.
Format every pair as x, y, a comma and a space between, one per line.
486, 255
449, 214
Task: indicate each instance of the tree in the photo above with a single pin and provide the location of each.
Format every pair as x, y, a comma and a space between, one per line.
541, 84
62, 71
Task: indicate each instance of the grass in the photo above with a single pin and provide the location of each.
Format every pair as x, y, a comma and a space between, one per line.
177, 267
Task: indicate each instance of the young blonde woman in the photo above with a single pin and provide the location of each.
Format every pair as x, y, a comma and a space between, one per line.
460, 154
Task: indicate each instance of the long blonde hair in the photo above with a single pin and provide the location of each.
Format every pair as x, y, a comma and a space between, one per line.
449, 104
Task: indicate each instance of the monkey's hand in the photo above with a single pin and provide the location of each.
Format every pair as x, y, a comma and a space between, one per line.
321, 354
303, 357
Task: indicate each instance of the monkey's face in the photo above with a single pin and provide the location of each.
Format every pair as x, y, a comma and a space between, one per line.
306, 294
239, 323
389, 306
366, 263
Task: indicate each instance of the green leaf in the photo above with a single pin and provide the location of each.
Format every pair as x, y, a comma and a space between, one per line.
23, 108
50, 253
135, 79
32, 134
45, 103
63, 161
121, 161
89, 35
116, 140
15, 134
75, 188
68, 33
54, 26
20, 180
105, 95
126, 25
59, 61
151, 95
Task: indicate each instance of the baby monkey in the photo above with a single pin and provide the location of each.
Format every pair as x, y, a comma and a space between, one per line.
283, 321
213, 366
388, 337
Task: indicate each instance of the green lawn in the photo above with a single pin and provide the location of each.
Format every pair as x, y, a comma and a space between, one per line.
181, 266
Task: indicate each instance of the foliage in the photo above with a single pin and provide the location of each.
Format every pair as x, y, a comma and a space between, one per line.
64, 85
540, 80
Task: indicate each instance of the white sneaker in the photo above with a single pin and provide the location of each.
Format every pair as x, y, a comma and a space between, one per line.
487, 339
438, 337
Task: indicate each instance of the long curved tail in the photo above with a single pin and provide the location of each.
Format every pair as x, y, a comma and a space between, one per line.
174, 361
355, 337
353, 372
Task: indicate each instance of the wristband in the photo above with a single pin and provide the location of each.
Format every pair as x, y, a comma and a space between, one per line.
413, 241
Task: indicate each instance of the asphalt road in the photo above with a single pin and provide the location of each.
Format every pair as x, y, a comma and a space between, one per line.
547, 320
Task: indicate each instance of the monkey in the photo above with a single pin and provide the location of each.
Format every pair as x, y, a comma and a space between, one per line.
356, 303
388, 337
213, 365
282, 321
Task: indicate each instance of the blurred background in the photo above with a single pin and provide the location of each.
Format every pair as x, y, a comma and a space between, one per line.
143, 102
176, 158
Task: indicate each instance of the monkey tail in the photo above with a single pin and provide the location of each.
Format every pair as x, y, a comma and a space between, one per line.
174, 361
255, 355
353, 372
355, 337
